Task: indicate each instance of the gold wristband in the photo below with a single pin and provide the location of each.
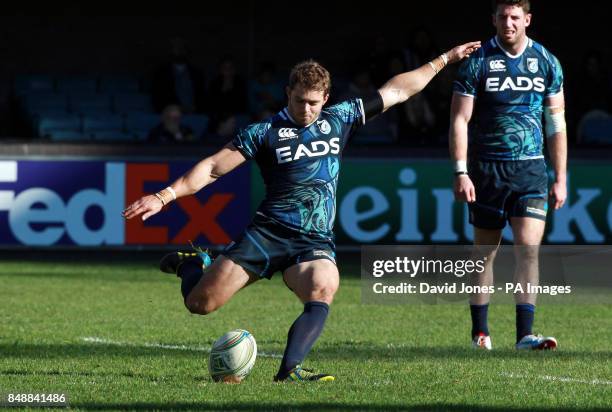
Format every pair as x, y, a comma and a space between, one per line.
165, 196
433, 66
439, 63
161, 198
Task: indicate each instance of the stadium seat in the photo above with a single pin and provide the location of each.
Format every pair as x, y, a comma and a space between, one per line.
139, 134
91, 103
198, 123
119, 83
77, 84
140, 123
112, 135
93, 124
596, 130
24, 84
52, 112
67, 135
132, 102
47, 124
38, 102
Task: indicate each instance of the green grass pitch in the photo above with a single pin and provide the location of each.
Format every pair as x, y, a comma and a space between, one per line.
116, 336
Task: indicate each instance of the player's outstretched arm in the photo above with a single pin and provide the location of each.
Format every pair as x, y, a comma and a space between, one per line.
204, 173
399, 88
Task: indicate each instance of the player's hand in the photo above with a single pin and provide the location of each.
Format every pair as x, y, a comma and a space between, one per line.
464, 189
461, 52
146, 206
558, 195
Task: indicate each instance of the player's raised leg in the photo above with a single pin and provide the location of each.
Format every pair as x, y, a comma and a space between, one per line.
206, 290
528, 233
315, 283
486, 242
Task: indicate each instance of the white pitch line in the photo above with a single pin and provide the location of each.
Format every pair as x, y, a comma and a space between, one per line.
103, 341
558, 379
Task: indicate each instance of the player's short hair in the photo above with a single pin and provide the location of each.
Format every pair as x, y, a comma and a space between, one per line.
311, 76
525, 4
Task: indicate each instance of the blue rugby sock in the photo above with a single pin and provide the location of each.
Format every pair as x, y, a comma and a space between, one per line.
525, 314
302, 335
479, 319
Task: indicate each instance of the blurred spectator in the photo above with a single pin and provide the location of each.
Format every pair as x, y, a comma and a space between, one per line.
170, 129
382, 128
420, 49
418, 122
179, 82
594, 128
379, 61
266, 95
415, 117
592, 92
224, 129
361, 83
227, 93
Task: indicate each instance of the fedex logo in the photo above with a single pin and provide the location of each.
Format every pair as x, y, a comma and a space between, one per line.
523, 84
316, 149
39, 216
80, 202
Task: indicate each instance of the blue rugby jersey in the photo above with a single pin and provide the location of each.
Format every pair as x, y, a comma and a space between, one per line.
300, 165
510, 91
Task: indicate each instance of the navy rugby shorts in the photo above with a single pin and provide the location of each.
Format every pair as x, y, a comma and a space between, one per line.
506, 189
267, 246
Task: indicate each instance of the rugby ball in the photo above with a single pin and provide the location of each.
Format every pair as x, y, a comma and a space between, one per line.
232, 356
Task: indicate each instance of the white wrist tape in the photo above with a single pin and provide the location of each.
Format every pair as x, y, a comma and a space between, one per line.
461, 166
444, 58
554, 117
172, 192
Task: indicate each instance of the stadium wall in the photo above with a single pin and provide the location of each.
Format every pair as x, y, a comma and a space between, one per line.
59, 202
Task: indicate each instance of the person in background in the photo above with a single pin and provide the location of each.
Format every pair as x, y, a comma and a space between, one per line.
170, 129
227, 93
179, 82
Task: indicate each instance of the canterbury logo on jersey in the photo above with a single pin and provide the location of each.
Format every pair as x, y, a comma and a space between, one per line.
497, 65
316, 149
521, 84
287, 132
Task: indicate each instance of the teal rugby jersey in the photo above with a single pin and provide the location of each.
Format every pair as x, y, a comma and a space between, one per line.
509, 91
300, 165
